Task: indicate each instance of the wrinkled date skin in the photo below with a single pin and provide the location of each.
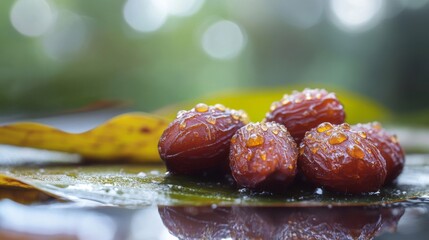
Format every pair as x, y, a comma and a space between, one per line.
263, 156
302, 111
198, 140
389, 147
341, 159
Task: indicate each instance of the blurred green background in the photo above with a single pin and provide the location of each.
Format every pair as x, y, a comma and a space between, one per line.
65, 54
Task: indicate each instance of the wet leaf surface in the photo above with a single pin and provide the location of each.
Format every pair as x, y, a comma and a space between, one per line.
141, 185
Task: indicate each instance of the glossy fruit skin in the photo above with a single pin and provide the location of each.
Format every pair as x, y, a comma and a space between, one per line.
245, 222
198, 140
263, 156
340, 159
312, 222
302, 111
389, 147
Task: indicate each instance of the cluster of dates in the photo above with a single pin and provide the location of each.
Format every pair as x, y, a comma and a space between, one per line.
302, 135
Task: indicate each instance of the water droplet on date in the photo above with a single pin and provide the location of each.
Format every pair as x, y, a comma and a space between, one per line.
255, 140
362, 134
180, 113
234, 139
182, 125
275, 130
220, 107
201, 107
324, 127
337, 138
211, 120
285, 101
345, 126
356, 151
263, 155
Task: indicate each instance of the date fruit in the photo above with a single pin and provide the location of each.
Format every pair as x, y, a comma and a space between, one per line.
263, 156
198, 140
341, 159
302, 111
388, 145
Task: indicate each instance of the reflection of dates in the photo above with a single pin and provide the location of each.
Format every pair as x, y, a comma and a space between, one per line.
199, 139
302, 111
341, 159
279, 223
389, 147
263, 156
196, 222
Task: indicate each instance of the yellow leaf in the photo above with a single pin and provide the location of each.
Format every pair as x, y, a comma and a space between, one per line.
127, 138
6, 181
257, 103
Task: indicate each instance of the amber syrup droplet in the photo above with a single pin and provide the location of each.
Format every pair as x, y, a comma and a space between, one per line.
323, 127
235, 115
356, 151
275, 131
220, 107
337, 138
263, 155
362, 134
201, 107
255, 140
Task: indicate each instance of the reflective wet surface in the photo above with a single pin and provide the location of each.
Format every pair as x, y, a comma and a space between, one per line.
87, 221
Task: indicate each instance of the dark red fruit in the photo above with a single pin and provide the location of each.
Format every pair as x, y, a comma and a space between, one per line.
263, 156
198, 140
302, 111
341, 159
388, 145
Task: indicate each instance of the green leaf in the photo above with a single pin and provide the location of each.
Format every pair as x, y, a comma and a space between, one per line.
140, 185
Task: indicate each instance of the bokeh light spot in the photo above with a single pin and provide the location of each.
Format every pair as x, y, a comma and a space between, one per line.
144, 15
32, 17
223, 40
355, 15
